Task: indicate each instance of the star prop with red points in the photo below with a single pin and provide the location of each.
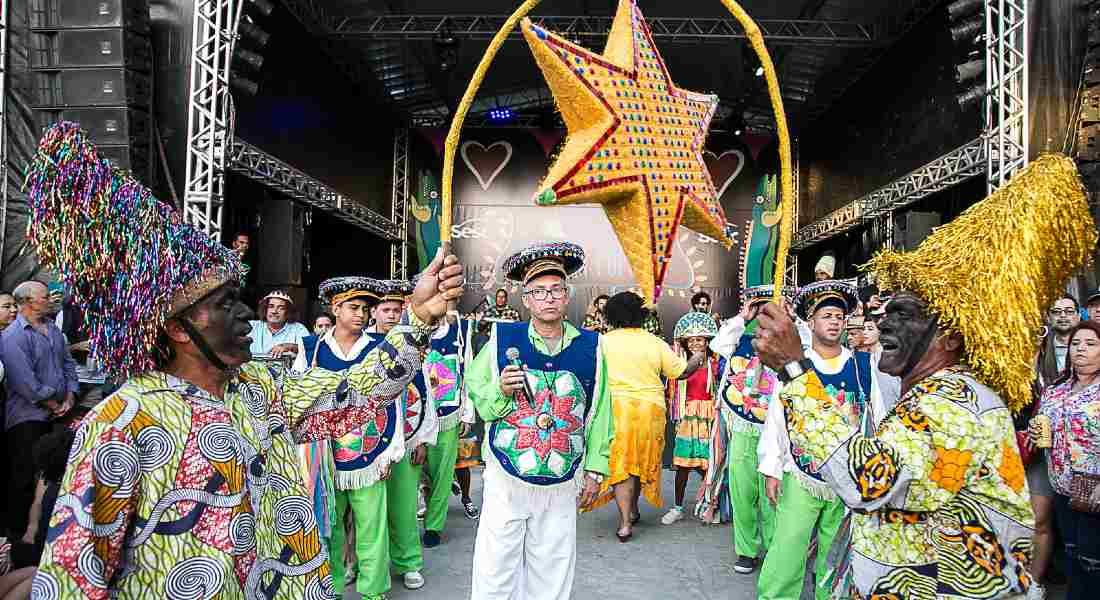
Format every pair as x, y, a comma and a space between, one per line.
544, 424
634, 142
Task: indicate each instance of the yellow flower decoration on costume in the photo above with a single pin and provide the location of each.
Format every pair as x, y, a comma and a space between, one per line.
949, 472
1012, 468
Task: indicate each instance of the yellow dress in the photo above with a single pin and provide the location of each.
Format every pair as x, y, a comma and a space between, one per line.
636, 360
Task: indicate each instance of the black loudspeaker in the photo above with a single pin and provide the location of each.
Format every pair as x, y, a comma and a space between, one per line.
92, 61
280, 243
911, 228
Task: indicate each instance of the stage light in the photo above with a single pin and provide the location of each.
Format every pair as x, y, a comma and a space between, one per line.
969, 70
252, 32
249, 58
501, 115
243, 85
975, 93
967, 30
759, 71
962, 8
264, 7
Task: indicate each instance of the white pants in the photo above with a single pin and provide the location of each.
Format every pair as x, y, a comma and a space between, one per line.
526, 546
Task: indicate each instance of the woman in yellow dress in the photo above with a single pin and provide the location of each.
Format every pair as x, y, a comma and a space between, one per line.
636, 360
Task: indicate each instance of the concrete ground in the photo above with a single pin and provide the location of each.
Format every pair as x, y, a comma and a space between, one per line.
687, 561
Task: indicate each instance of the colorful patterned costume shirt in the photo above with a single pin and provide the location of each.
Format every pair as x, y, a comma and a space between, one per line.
173, 493
1075, 421
939, 494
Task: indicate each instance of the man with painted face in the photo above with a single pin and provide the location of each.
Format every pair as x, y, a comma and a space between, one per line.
938, 491
802, 499
541, 388
187, 477
745, 391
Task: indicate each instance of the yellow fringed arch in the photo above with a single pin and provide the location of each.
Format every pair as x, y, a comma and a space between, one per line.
756, 39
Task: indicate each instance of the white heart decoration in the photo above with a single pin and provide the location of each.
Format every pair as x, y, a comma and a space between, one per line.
740, 165
507, 157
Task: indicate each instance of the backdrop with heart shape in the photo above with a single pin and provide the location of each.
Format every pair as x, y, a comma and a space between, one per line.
498, 171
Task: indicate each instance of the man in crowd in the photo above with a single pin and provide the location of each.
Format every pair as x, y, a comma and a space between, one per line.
803, 501
700, 302
501, 309
241, 243
1092, 305
41, 385
322, 324
938, 491
746, 389
278, 332
1062, 317
853, 331
186, 479
540, 450
825, 267
387, 312
362, 459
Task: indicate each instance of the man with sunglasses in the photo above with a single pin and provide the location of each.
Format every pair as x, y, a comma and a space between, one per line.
541, 389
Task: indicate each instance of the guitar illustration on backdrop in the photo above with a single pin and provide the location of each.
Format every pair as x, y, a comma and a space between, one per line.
761, 235
424, 208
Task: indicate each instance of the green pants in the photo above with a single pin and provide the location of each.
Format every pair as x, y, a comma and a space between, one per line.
796, 516
372, 551
401, 491
441, 472
753, 514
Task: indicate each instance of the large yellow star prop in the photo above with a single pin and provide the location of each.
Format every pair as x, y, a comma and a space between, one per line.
634, 143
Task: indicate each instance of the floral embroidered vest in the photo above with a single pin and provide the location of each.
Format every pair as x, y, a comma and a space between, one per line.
747, 387
542, 441
355, 452
443, 374
851, 388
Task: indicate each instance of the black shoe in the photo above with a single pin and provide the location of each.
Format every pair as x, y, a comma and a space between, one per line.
472, 511
430, 539
744, 564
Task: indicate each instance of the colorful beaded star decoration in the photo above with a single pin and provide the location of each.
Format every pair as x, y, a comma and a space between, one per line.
634, 142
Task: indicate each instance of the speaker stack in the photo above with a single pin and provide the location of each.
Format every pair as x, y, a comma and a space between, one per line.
92, 63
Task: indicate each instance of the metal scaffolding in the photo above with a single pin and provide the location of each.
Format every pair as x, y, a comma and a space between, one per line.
209, 106
676, 29
1006, 80
1000, 151
946, 171
399, 205
3, 127
263, 168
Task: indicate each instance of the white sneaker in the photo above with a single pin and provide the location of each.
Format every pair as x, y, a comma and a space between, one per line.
674, 514
413, 580
1036, 592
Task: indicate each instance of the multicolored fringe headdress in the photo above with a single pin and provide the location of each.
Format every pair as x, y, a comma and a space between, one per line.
990, 273
695, 324
820, 293
127, 259
397, 290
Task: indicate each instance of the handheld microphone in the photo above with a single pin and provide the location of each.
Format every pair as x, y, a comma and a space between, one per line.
512, 354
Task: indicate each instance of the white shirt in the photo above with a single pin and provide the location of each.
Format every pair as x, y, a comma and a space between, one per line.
263, 340
774, 449
303, 362
729, 335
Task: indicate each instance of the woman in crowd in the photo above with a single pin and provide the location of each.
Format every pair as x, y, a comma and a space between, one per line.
594, 318
635, 361
692, 406
1070, 412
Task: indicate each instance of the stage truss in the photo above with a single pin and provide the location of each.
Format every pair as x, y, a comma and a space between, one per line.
998, 153
3, 127
399, 204
680, 29
263, 168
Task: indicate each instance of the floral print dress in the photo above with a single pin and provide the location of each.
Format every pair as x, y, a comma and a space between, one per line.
1075, 424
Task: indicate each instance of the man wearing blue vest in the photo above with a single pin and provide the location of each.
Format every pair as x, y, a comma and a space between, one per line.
802, 498
349, 472
541, 389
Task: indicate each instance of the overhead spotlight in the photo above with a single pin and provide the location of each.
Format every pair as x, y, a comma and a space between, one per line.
264, 7
252, 32
969, 70
759, 71
501, 115
735, 123
446, 49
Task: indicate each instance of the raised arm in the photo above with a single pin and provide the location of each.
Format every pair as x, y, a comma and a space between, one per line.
728, 336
